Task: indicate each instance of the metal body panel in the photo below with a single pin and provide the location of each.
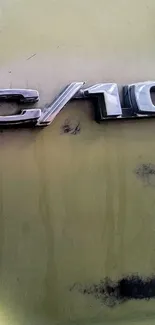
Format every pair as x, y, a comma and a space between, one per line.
75, 207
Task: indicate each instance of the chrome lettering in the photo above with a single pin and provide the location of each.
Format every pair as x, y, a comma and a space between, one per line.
105, 98
25, 117
21, 95
110, 95
138, 97
137, 102
49, 113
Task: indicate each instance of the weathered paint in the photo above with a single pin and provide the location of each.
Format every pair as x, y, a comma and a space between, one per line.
75, 208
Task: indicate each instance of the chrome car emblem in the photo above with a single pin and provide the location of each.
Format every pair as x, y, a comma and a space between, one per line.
137, 102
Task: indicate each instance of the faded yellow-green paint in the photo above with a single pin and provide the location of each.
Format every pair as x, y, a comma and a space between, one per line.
71, 207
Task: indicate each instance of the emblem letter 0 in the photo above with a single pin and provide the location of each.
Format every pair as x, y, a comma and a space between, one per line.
138, 97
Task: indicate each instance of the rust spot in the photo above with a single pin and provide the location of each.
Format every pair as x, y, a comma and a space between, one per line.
71, 127
146, 172
112, 293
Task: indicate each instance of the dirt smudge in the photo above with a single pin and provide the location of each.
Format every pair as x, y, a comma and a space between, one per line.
112, 293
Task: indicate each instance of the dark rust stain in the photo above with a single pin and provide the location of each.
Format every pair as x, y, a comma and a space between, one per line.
112, 293
146, 172
71, 127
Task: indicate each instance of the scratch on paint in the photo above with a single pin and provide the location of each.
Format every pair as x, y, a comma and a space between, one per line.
32, 56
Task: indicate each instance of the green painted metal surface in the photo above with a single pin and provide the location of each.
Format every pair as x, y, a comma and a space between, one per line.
72, 209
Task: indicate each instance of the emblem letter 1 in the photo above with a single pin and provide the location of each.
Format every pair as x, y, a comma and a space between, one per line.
105, 98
